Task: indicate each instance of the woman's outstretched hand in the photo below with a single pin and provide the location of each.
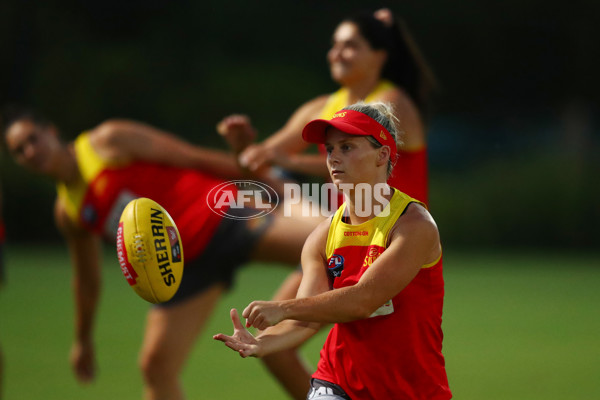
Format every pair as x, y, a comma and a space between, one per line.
241, 341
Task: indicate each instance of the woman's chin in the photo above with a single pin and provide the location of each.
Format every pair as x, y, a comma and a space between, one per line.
339, 75
339, 180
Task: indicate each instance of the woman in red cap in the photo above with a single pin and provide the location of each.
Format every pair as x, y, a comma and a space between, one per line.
372, 58
373, 269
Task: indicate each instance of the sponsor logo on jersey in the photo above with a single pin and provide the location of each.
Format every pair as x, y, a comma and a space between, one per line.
357, 233
372, 254
336, 265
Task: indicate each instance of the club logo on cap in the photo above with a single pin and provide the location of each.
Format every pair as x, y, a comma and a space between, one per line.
382, 135
339, 115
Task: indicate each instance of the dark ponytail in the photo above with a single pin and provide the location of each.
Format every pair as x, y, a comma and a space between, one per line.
405, 66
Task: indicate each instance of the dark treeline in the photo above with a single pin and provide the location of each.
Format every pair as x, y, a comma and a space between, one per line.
512, 138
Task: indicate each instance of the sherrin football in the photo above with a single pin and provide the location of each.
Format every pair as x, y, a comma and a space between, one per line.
149, 250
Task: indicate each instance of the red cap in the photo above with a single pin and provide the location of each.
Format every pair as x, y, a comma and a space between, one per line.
352, 123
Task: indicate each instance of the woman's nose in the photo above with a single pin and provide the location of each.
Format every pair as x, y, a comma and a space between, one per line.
28, 151
333, 158
333, 53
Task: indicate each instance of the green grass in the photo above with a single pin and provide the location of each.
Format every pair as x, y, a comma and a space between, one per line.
518, 325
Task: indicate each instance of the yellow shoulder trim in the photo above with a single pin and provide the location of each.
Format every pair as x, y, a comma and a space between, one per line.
335, 103
431, 264
399, 202
381, 87
89, 161
339, 99
69, 199
330, 246
90, 164
372, 232
376, 231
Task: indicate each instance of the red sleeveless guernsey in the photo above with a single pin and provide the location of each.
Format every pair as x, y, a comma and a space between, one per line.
397, 352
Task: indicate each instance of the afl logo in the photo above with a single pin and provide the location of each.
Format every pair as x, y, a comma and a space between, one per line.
336, 265
258, 198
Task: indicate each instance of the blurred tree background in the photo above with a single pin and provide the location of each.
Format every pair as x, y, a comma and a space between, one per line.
512, 139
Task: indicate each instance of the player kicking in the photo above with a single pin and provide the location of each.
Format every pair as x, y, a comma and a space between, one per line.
96, 176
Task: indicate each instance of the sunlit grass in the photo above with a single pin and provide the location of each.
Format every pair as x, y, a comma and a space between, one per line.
518, 325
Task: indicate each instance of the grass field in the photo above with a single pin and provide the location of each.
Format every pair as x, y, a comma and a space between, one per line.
518, 325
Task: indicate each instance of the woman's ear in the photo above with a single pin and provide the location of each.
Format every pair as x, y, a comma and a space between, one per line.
383, 156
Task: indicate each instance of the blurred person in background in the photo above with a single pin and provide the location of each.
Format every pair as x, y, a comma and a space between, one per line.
96, 176
373, 58
373, 269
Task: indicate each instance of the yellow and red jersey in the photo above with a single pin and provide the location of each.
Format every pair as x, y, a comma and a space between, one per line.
397, 352
410, 172
105, 188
